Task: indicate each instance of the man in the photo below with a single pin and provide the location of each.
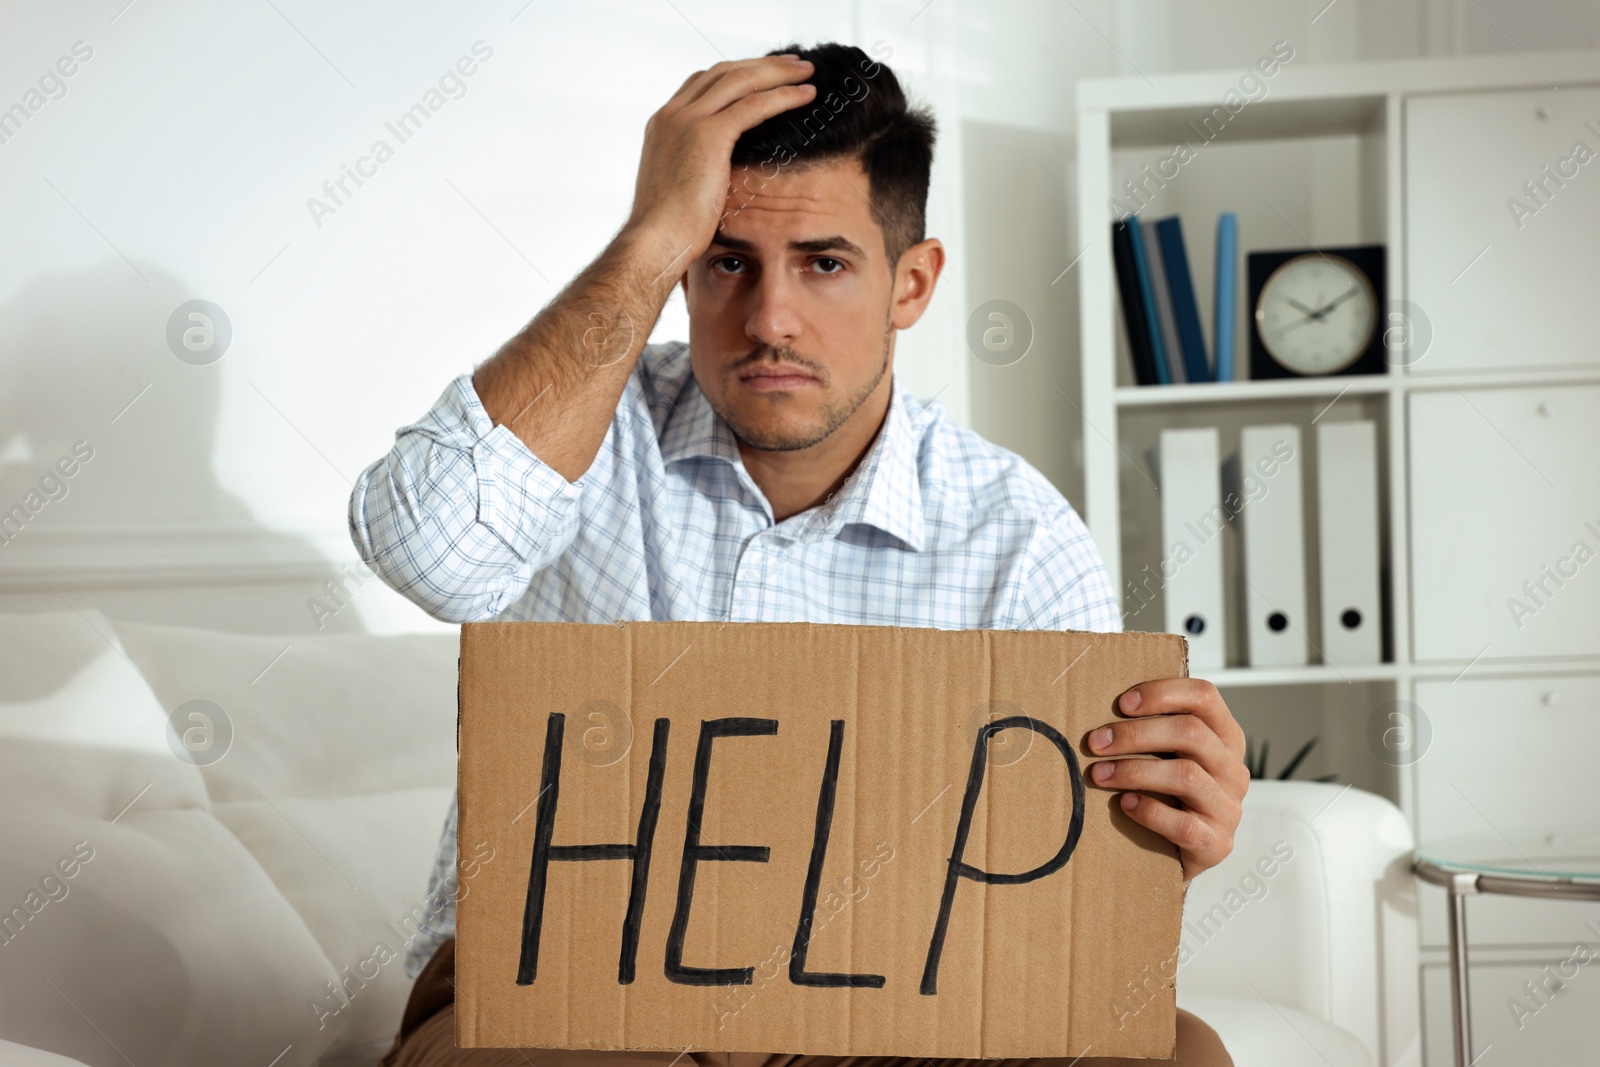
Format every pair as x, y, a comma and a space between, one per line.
771, 469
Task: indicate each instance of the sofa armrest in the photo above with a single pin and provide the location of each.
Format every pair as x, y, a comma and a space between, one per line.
1314, 909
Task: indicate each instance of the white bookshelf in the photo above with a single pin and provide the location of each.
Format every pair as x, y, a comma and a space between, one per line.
1133, 396
1322, 160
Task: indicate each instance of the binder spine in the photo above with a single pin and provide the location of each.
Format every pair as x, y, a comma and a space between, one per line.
1347, 525
1270, 462
1192, 520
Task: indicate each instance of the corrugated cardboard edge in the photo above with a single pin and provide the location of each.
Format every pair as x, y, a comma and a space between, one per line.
466, 1021
462, 1033
1177, 934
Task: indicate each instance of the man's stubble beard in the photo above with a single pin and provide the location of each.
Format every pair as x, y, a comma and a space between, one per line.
834, 415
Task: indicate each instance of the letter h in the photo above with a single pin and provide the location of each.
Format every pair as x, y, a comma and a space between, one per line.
544, 852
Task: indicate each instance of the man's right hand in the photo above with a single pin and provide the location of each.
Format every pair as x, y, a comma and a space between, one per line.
557, 383
685, 171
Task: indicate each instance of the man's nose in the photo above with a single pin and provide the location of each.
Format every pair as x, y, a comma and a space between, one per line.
773, 317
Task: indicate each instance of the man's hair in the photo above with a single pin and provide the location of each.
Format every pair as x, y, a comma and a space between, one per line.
859, 111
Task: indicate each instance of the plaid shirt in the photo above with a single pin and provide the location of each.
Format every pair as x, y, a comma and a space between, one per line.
935, 527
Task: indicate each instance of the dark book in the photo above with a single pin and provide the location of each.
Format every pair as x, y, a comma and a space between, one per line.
1133, 309
1185, 309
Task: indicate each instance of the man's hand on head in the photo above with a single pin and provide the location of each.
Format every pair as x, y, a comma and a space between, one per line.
1201, 780
582, 348
685, 167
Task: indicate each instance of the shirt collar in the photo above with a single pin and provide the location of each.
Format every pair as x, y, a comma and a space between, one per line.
693, 430
883, 492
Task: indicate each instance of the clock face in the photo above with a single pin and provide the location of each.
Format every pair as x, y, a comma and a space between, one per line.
1316, 313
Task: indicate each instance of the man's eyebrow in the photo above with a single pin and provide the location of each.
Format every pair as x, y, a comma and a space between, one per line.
835, 243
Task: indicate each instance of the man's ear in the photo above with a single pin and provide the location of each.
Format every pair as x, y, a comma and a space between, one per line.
915, 277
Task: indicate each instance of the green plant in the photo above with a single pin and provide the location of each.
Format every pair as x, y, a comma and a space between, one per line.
1257, 761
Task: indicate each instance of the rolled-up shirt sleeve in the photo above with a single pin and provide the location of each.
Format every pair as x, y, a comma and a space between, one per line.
460, 514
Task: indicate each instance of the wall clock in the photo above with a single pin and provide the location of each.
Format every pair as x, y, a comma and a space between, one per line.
1317, 312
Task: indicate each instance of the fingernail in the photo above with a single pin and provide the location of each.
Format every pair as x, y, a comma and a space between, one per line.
1130, 700
1100, 738
1130, 801
1102, 770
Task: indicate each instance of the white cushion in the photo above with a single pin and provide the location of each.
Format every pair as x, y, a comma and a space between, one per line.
334, 715
1258, 1033
139, 925
64, 677
356, 869
15, 1055
342, 765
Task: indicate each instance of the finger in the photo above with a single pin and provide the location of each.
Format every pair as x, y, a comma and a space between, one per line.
1183, 734
692, 87
1203, 845
1194, 695
756, 108
741, 80
673, 101
1183, 779
695, 84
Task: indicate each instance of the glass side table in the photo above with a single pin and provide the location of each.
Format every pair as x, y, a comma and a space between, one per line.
1557, 864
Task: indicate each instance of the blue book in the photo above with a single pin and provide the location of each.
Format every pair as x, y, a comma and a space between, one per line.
1227, 281
1184, 308
1141, 269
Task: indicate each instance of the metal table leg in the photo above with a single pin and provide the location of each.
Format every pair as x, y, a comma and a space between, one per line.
1460, 886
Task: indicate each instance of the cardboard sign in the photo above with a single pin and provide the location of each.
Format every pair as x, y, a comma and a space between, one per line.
786, 837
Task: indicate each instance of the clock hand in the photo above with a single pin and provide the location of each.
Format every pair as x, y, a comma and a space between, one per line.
1296, 322
1309, 312
1336, 301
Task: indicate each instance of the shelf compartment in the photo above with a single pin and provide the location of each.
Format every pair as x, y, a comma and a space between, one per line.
1268, 120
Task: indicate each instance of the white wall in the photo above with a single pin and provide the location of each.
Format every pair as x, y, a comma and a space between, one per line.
179, 162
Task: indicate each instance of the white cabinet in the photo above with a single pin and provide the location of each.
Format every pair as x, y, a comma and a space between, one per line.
1488, 521
1501, 225
1505, 522
1556, 1028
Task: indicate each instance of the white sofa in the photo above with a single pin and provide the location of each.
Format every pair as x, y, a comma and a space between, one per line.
1309, 960
220, 900
216, 907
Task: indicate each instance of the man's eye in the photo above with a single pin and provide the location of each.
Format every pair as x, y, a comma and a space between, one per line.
828, 259
727, 259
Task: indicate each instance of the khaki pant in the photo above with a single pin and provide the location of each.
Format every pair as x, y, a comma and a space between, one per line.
428, 1028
